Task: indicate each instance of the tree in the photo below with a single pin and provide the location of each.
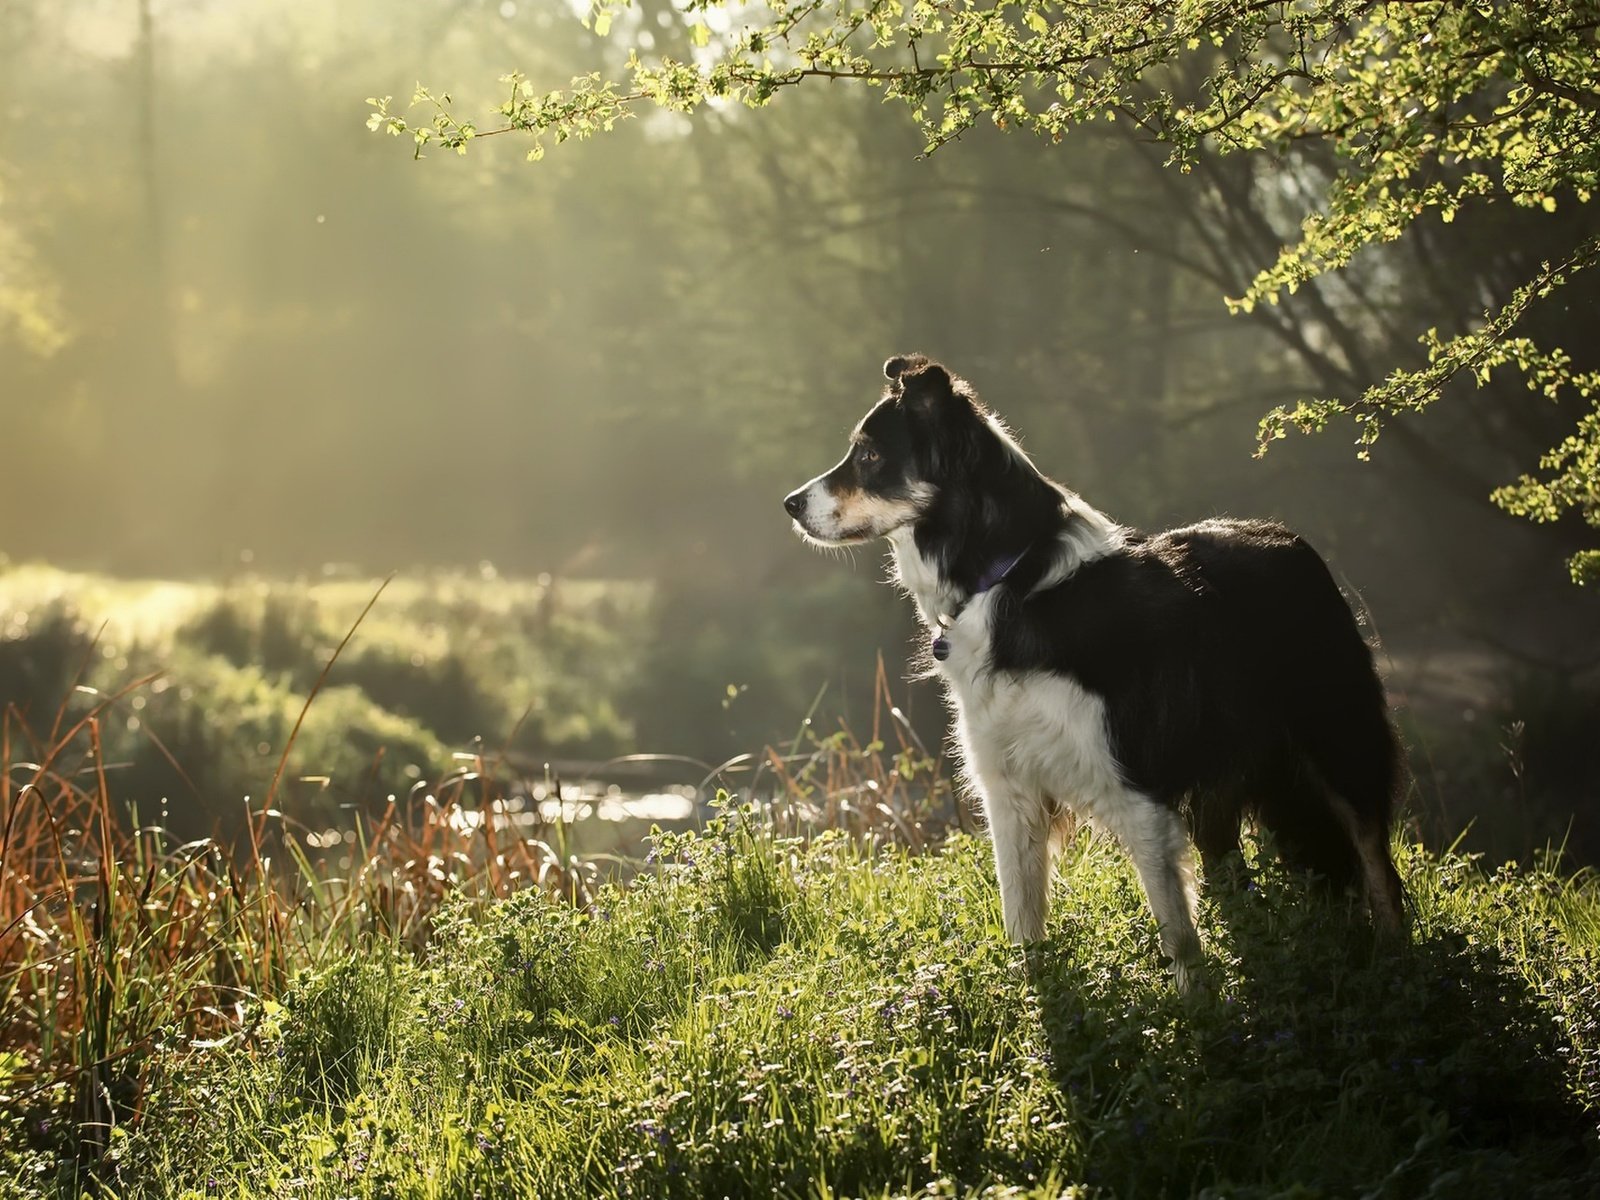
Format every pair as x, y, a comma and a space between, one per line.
30, 306
1386, 114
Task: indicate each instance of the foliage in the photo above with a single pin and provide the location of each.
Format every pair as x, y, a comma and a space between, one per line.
759, 1015
1393, 111
445, 662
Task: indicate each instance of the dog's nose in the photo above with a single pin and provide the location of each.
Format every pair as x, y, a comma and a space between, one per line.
795, 502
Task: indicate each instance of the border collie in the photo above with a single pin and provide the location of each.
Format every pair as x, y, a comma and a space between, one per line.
1161, 687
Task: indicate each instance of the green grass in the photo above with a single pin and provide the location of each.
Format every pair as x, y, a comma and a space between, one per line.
446, 662
756, 1016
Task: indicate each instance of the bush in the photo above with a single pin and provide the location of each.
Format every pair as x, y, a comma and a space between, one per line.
43, 653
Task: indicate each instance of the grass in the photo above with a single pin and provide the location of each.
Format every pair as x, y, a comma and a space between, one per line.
131, 958
758, 1016
761, 1014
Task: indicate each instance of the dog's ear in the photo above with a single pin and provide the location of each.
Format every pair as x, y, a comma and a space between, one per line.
900, 364
927, 389
922, 384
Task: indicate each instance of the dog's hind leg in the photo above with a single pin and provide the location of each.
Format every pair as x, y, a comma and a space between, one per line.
1381, 882
1157, 841
1214, 817
1020, 829
1356, 778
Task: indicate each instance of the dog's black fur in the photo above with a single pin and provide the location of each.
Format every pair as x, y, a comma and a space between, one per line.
1234, 677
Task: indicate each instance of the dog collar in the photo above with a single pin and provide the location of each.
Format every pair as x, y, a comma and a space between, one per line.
996, 572
988, 581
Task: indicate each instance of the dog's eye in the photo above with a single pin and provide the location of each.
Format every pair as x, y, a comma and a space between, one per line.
867, 455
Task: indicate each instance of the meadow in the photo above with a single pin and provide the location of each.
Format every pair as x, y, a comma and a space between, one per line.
759, 1013
810, 997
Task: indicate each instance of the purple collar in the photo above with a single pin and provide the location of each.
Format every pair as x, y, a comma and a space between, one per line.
997, 572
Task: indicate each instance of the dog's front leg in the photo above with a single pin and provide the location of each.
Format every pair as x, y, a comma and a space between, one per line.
1020, 829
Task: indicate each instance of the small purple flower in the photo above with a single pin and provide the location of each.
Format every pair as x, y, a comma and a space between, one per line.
654, 1131
785, 1012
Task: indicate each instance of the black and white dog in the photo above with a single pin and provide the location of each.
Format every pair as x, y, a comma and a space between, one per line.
1131, 680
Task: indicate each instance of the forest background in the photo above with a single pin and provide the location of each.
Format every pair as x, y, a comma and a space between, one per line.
252, 356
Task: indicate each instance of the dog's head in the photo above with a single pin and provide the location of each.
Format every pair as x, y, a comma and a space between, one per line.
913, 443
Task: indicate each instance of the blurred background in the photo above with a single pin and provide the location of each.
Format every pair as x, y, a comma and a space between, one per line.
253, 359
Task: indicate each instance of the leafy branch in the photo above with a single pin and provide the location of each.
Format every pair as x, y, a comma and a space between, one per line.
1422, 108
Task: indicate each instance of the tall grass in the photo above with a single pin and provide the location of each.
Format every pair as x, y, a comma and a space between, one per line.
126, 953
122, 949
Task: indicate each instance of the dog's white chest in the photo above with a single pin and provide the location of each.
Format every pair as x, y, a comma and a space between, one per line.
1034, 736
1045, 735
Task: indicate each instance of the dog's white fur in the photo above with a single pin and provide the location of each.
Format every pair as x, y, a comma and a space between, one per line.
1036, 749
